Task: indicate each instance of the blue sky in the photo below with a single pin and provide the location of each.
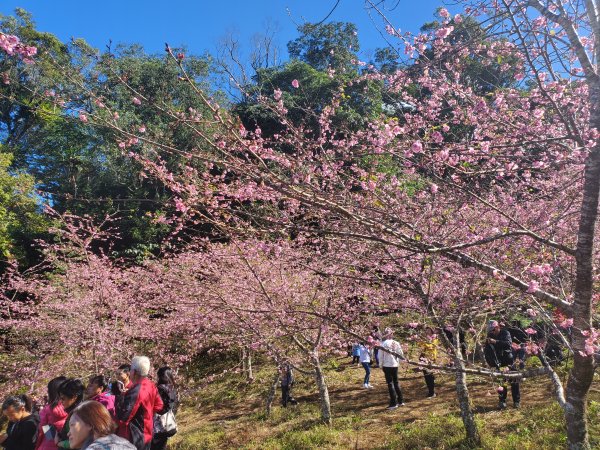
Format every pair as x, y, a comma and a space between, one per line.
199, 24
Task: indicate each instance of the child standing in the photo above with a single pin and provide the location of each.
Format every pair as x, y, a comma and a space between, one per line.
365, 360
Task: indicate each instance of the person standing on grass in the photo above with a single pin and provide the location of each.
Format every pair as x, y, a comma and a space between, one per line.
365, 360
428, 347
287, 381
499, 353
136, 407
389, 363
168, 393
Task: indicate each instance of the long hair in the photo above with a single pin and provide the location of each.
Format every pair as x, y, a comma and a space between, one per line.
53, 385
166, 376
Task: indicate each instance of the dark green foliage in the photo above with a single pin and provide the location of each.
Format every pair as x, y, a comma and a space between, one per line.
81, 168
329, 45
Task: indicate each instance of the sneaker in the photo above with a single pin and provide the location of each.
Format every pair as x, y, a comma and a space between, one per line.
431, 395
502, 405
400, 404
393, 407
517, 405
366, 386
369, 386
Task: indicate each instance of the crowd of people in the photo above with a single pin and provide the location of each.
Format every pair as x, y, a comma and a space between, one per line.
129, 413
133, 412
504, 348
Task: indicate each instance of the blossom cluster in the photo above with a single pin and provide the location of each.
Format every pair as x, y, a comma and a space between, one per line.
12, 46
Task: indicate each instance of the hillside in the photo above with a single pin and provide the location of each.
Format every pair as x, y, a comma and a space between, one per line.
230, 414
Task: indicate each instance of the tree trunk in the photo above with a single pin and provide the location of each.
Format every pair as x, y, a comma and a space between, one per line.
323, 392
582, 373
247, 364
271, 394
464, 402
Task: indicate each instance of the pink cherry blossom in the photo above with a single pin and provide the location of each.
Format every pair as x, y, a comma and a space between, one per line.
444, 32
533, 287
417, 147
566, 323
295, 84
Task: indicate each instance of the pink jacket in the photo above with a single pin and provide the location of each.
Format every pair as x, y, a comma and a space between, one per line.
50, 416
108, 401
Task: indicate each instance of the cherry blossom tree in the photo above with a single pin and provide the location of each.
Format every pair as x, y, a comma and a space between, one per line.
269, 298
493, 185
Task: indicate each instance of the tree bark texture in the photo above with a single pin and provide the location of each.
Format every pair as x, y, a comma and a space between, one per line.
582, 373
271, 394
464, 402
323, 393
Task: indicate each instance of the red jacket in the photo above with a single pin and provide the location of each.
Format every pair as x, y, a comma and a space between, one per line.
135, 412
54, 416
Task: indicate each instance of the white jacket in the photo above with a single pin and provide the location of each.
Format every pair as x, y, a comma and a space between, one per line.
364, 355
387, 359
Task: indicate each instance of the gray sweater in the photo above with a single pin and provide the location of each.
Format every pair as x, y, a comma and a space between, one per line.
110, 442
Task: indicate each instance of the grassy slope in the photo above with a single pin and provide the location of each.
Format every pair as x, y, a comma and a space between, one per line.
230, 414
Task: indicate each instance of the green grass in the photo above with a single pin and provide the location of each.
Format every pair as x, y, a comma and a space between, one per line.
443, 432
208, 439
230, 414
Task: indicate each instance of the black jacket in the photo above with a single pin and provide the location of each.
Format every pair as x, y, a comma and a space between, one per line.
169, 396
500, 353
22, 435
